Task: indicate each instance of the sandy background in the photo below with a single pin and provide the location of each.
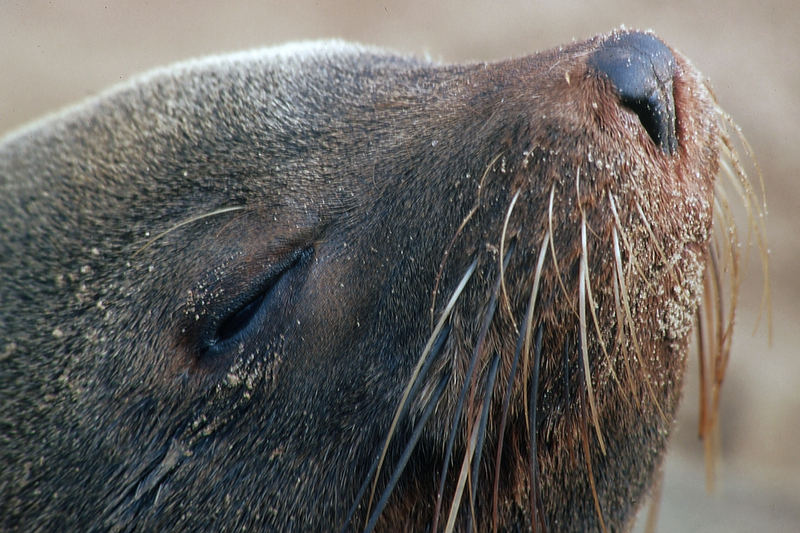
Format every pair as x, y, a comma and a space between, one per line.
54, 53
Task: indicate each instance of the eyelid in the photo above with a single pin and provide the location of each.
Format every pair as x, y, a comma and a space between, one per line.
220, 335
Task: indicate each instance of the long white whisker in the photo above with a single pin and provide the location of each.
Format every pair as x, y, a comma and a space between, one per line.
185, 222
506, 300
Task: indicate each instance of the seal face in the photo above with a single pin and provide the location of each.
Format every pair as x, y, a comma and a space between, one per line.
323, 286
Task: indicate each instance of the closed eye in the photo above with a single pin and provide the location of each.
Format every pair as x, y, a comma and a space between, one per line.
239, 320
249, 314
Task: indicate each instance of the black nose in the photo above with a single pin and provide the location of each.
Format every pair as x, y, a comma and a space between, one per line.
641, 68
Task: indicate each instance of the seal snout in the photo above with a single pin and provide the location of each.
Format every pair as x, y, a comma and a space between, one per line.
641, 68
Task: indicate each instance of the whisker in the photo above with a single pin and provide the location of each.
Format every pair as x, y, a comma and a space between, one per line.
553, 248
620, 319
733, 170
632, 328
718, 357
625, 241
702, 357
506, 299
467, 385
731, 262
726, 235
601, 341
532, 408
652, 235
740, 174
714, 325
184, 223
588, 286
446, 254
434, 353
426, 351
719, 326
719, 192
534, 292
412, 443
708, 323
588, 457
522, 340
587, 370
476, 462
756, 221
462, 478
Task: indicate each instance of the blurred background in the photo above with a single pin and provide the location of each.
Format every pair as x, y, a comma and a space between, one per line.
55, 53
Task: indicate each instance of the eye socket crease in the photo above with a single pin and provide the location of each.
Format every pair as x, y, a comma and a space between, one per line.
245, 316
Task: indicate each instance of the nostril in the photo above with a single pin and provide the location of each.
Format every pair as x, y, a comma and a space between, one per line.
641, 68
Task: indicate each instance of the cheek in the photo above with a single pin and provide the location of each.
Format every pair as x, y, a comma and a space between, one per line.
332, 309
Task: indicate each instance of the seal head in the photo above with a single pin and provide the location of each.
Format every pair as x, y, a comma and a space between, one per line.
323, 286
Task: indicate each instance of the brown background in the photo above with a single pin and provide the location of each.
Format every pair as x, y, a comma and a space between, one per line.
55, 53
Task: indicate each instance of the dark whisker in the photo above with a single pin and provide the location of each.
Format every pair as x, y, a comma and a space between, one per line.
476, 461
532, 407
504, 416
463, 394
433, 355
412, 443
420, 363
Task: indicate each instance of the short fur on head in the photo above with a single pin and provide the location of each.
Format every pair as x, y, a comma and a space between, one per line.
234, 291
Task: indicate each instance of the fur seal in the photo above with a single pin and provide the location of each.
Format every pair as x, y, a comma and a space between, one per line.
324, 287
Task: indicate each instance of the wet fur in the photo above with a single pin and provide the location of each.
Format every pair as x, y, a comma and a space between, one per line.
131, 223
